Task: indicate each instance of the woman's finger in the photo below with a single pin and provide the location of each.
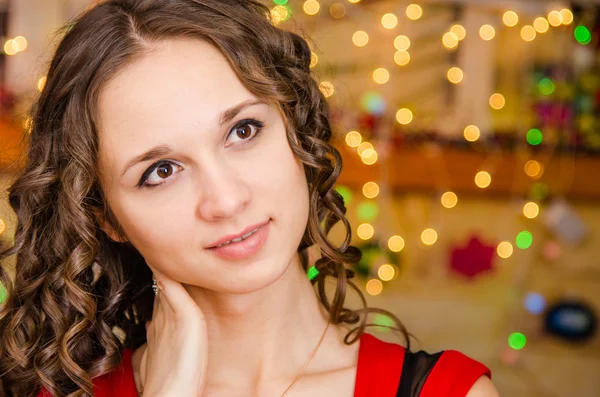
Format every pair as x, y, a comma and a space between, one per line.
174, 294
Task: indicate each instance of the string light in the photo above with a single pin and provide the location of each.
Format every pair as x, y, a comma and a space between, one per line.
555, 18
534, 169
389, 21
504, 250
365, 231
374, 287
487, 32
483, 179
360, 38
528, 33
353, 138
450, 40
402, 43
449, 199
472, 133
567, 16
396, 243
402, 58
510, 19
311, 7
381, 76
414, 12
455, 75
386, 272
540, 24
497, 101
370, 190
531, 210
459, 31
326, 88
404, 116
429, 236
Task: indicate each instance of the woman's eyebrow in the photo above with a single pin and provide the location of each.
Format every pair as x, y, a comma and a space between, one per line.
163, 150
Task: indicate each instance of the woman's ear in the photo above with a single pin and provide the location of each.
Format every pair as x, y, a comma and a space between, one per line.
107, 227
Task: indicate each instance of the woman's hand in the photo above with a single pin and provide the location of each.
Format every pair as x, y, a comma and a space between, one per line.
174, 361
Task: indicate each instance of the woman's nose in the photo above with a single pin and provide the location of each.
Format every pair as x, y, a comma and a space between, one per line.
223, 194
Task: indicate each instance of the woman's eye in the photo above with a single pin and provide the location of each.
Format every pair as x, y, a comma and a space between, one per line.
246, 130
157, 173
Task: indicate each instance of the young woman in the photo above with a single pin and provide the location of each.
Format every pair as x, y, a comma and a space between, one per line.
178, 170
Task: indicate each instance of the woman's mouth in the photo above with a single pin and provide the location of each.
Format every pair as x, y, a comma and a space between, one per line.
243, 246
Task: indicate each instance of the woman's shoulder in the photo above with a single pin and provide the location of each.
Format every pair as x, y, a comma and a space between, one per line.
404, 373
118, 382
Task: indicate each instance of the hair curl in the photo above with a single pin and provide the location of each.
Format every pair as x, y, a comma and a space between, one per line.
78, 297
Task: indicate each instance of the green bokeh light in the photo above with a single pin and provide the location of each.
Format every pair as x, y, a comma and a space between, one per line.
312, 273
546, 86
517, 340
3, 294
539, 191
280, 2
368, 211
383, 322
346, 194
524, 239
582, 35
534, 137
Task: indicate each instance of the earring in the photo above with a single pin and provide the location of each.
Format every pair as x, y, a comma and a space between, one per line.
154, 286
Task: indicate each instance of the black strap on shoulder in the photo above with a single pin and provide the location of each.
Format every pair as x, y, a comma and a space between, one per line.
415, 370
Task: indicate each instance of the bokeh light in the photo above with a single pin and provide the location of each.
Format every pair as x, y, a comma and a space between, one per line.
363, 146
541, 25
396, 243
365, 231
472, 133
534, 169
555, 18
497, 101
449, 199
534, 137
528, 33
483, 179
531, 210
517, 341
373, 102
337, 10
389, 21
41, 83
429, 236
504, 250
279, 13
510, 18
314, 59
353, 138
524, 239
346, 194
402, 58
326, 87
455, 75
369, 156
311, 7
404, 116
450, 40
2, 226
487, 32
367, 211
402, 43
459, 31
370, 190
374, 287
414, 12
546, 86
360, 38
567, 16
386, 272
381, 75
535, 303
582, 35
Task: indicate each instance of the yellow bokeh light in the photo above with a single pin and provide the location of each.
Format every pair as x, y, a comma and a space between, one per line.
402, 43
449, 199
414, 12
402, 58
497, 101
541, 25
531, 210
381, 75
396, 243
374, 287
360, 38
534, 169
404, 116
2, 226
353, 1
487, 32
528, 33
567, 16
20, 42
472, 133
311, 7
555, 18
370, 190
504, 249
450, 40
279, 14
363, 146
459, 31
326, 88
429, 236
353, 138
337, 10
386, 272
9, 48
455, 75
483, 179
369, 156
28, 124
510, 18
41, 83
389, 21
365, 231
314, 59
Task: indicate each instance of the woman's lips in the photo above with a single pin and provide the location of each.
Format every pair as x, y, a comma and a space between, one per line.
245, 248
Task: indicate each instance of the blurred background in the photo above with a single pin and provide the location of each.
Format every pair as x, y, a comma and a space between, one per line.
470, 135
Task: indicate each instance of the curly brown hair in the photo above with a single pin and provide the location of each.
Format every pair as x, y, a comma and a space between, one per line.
78, 297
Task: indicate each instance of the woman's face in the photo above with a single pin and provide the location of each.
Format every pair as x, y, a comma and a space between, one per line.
189, 157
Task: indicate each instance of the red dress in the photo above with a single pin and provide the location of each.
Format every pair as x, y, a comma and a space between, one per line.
384, 370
